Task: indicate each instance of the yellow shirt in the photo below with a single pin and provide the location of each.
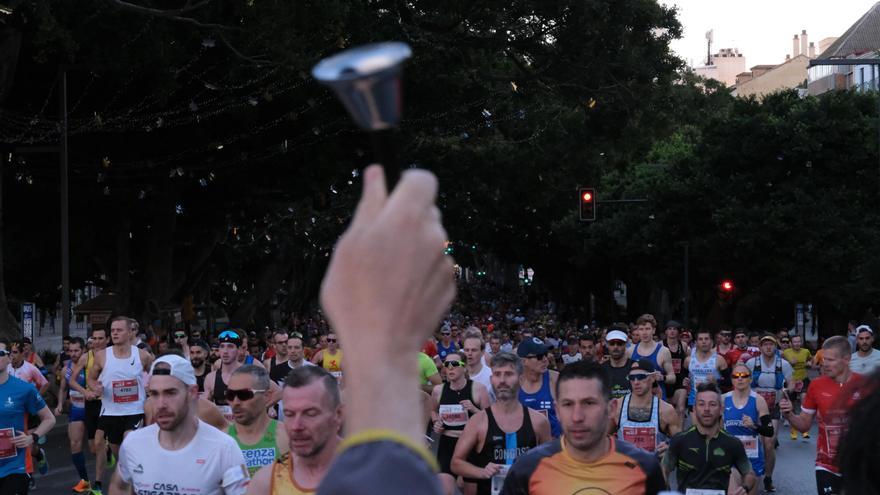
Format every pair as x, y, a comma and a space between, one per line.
282, 478
332, 362
798, 360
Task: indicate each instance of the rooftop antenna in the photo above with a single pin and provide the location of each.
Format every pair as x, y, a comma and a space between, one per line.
710, 36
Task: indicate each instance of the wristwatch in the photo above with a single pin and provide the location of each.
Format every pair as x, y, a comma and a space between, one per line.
35, 437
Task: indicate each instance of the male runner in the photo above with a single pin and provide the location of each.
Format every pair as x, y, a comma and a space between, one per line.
76, 428
865, 359
277, 365
29, 354
453, 403
746, 416
330, 357
801, 360
25, 371
493, 347
445, 344
643, 419
704, 365
18, 400
181, 341
830, 396
215, 382
770, 375
654, 351
97, 444
259, 437
586, 459
704, 455
538, 383
198, 357
312, 420
572, 355
472, 347
741, 351
117, 377
179, 453
678, 351
495, 437
724, 346
616, 364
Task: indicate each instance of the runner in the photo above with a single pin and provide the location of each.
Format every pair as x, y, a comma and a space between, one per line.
654, 351
746, 416
215, 382
865, 359
76, 428
586, 459
445, 344
537, 383
29, 354
801, 360
454, 402
724, 346
703, 456
587, 347
21, 368
117, 377
617, 365
830, 396
277, 365
494, 438
19, 400
704, 366
179, 453
478, 372
770, 375
198, 355
492, 348
181, 341
259, 437
643, 419
104, 458
678, 351
573, 355
312, 420
741, 352
331, 357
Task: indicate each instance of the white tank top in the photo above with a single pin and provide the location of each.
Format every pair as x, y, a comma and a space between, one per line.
123, 384
642, 434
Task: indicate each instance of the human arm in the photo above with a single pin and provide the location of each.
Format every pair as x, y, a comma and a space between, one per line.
803, 421
742, 464
209, 385
670, 421
435, 408
62, 395
47, 422
75, 370
318, 358
482, 396
467, 443
262, 480
146, 358
95, 388
209, 413
665, 358
541, 425
235, 475
118, 486
670, 458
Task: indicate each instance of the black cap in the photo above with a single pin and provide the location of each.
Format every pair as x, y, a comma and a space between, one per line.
673, 324
644, 365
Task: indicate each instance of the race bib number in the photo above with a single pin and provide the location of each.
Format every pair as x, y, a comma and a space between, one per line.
77, 399
769, 396
226, 411
498, 480
125, 391
337, 375
453, 415
703, 491
643, 438
750, 443
676, 365
7, 448
832, 438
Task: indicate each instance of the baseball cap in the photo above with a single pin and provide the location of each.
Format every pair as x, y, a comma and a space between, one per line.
615, 335
864, 328
531, 347
201, 343
180, 368
770, 338
644, 365
673, 324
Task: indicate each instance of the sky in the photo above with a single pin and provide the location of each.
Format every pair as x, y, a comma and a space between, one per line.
761, 29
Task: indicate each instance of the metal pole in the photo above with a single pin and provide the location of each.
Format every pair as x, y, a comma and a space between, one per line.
65, 217
687, 288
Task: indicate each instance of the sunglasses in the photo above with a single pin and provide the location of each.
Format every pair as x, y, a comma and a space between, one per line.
740, 375
538, 356
179, 335
637, 378
296, 335
616, 343
445, 333
786, 342
453, 364
331, 340
228, 334
243, 394
4, 353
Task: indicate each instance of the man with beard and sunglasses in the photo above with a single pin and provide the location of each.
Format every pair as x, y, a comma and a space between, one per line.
259, 436
179, 453
616, 364
312, 418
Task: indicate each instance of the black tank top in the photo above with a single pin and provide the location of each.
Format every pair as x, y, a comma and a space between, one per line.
219, 396
677, 362
278, 371
449, 396
200, 380
500, 449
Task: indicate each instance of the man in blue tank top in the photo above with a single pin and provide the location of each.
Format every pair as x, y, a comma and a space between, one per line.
747, 417
656, 352
538, 383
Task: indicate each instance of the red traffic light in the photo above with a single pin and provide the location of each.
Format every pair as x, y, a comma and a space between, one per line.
587, 200
727, 286
587, 196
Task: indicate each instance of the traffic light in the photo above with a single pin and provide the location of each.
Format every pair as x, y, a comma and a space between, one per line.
587, 199
727, 286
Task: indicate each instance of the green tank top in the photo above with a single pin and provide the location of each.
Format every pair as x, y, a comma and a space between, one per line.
262, 453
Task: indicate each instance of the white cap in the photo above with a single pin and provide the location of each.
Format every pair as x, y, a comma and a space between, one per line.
180, 368
864, 328
616, 335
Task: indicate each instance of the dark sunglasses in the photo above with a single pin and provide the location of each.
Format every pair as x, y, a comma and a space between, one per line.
740, 375
786, 342
453, 364
179, 335
243, 394
637, 378
445, 333
4, 353
538, 356
331, 340
296, 335
616, 343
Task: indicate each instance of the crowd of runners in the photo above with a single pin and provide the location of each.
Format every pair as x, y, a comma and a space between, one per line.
513, 398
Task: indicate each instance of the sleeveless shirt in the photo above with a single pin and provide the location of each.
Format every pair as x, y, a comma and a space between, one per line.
452, 414
282, 478
643, 434
259, 454
504, 448
542, 401
122, 379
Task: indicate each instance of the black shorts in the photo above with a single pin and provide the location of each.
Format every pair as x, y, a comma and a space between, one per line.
14, 484
114, 427
445, 448
828, 483
93, 413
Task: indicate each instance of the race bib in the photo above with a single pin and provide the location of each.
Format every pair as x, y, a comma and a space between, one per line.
703, 491
7, 448
77, 399
832, 437
125, 391
676, 365
337, 375
498, 480
643, 438
769, 396
453, 415
750, 443
226, 411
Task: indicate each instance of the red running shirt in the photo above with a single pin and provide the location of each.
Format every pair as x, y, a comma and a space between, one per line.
831, 400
